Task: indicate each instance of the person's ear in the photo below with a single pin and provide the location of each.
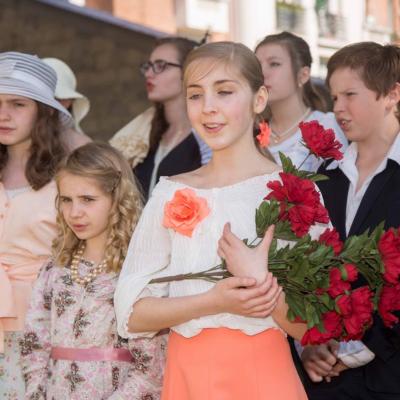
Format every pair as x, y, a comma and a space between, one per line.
260, 100
393, 97
303, 76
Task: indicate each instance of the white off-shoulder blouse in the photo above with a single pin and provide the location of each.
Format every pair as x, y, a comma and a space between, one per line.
156, 251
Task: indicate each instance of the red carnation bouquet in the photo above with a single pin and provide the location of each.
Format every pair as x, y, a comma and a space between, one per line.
317, 275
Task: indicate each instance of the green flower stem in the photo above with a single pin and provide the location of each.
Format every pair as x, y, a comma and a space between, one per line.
299, 168
213, 276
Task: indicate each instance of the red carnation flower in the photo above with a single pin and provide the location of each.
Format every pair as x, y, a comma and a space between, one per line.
356, 310
351, 271
330, 237
389, 247
338, 285
299, 202
333, 328
320, 141
389, 302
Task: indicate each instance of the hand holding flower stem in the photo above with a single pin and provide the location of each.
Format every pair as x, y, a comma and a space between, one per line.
316, 274
242, 260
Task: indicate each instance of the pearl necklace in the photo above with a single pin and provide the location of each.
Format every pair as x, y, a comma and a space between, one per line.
76, 258
278, 138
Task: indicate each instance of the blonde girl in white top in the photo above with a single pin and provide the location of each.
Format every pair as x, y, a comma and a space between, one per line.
227, 339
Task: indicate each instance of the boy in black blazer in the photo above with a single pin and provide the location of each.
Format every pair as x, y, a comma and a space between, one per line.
363, 190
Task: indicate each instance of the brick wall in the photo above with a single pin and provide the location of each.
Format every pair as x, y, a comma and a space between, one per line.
104, 57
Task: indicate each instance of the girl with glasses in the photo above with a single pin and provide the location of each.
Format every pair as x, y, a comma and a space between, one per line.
161, 140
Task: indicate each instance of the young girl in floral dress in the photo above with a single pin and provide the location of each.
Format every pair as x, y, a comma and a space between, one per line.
71, 349
227, 339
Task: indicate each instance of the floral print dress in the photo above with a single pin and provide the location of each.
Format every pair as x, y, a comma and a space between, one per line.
63, 313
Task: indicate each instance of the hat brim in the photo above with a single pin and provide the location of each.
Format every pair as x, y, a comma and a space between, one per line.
24, 89
63, 92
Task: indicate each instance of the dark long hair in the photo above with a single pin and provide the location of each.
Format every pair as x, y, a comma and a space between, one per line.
300, 57
159, 123
46, 150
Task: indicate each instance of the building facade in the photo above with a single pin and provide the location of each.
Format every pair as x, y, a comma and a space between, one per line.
326, 25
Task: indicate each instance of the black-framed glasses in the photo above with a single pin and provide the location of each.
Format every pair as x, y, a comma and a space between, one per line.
157, 66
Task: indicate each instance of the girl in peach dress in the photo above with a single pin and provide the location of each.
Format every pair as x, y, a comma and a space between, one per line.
31, 121
227, 339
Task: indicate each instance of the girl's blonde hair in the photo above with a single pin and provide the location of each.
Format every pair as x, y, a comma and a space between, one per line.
104, 164
232, 55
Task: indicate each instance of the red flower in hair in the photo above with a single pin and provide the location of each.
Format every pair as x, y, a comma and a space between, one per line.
263, 136
299, 202
321, 142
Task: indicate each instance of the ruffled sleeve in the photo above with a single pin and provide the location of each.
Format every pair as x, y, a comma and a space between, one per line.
148, 255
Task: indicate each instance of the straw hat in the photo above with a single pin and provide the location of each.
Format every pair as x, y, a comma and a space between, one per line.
66, 89
28, 76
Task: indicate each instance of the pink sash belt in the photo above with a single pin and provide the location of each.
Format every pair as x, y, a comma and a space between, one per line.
92, 354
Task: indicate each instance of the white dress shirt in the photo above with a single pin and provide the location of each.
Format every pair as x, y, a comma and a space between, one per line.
292, 147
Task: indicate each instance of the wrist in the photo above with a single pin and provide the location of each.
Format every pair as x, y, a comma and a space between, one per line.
211, 302
260, 276
280, 311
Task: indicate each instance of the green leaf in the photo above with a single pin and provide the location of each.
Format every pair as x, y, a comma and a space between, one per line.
296, 305
318, 177
267, 214
310, 315
272, 248
321, 254
378, 232
343, 272
287, 164
326, 301
290, 315
299, 269
284, 231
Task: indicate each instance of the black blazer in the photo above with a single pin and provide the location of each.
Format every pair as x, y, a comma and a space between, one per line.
381, 202
184, 157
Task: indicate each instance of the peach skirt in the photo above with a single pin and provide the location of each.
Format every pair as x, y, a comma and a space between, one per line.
226, 364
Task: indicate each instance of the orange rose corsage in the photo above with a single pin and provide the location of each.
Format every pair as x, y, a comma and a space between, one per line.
185, 211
